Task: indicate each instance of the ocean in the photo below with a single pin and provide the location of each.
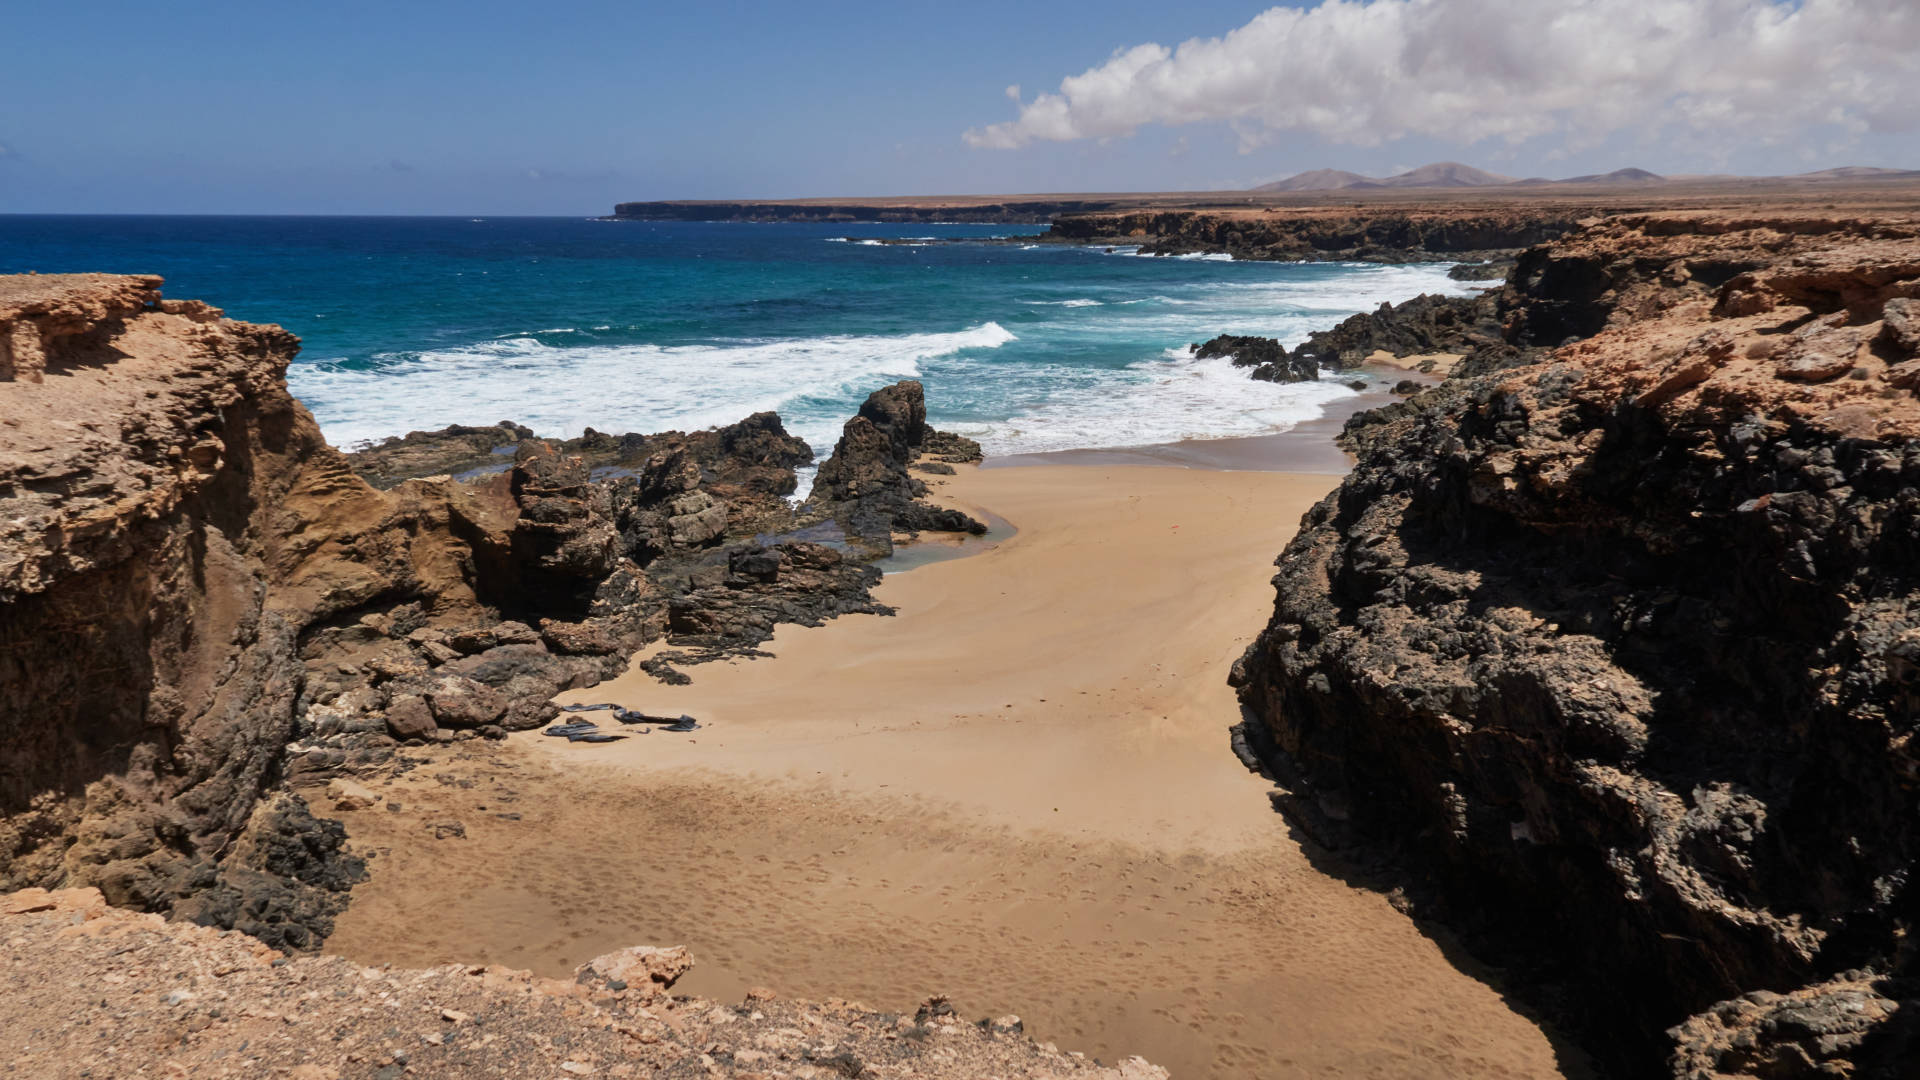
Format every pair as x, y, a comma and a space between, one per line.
565, 323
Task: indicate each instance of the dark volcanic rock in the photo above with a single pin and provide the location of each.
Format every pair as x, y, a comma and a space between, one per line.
865, 484
950, 448
1385, 235
1424, 324
1266, 356
287, 879
1620, 653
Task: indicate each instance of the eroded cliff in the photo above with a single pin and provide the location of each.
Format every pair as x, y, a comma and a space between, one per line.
200, 599
1618, 650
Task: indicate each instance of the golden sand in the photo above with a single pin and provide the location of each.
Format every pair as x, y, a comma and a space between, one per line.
1018, 792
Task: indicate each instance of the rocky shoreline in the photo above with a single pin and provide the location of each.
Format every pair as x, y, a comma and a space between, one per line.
1604, 642
1606, 656
207, 604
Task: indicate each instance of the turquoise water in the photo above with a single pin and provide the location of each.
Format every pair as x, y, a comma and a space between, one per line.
562, 324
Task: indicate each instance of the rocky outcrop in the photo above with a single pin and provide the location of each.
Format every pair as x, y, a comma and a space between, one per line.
1613, 650
163, 547
865, 485
1266, 356
1424, 324
456, 450
1468, 326
1287, 235
200, 600
94, 991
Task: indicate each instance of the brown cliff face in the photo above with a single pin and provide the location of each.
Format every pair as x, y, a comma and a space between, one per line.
1621, 650
173, 522
200, 599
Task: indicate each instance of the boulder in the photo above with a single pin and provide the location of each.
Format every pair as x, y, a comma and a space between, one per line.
409, 717
345, 794
640, 967
461, 702
1901, 328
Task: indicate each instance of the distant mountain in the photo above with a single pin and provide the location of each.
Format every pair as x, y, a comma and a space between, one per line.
1446, 174
1452, 174
1443, 174
1617, 176
1855, 172
1319, 180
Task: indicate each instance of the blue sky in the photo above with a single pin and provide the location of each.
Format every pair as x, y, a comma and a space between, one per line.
564, 108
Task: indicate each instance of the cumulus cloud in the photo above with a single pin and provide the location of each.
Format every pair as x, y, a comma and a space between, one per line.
1368, 71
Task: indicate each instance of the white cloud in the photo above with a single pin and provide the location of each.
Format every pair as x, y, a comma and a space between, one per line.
1369, 71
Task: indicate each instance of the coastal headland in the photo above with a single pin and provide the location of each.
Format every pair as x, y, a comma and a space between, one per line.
1600, 664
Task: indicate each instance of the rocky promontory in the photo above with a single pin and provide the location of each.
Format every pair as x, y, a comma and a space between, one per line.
1613, 652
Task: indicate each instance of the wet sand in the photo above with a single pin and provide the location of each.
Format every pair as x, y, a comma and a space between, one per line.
1017, 792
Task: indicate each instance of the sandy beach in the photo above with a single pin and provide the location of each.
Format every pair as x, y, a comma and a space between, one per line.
1018, 792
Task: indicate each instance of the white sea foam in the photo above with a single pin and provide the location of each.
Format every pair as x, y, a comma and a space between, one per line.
1167, 399
560, 390
1051, 396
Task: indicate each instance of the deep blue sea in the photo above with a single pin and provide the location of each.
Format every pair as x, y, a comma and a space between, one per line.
565, 323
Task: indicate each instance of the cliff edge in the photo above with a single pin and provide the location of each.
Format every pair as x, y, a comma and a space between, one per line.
1619, 652
204, 603
98, 991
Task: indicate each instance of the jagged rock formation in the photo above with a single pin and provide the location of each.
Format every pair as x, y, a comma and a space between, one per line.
95, 991
1385, 235
1425, 324
1618, 650
1266, 356
865, 485
200, 599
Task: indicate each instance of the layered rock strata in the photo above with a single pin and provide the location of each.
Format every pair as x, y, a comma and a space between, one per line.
96, 991
1617, 649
